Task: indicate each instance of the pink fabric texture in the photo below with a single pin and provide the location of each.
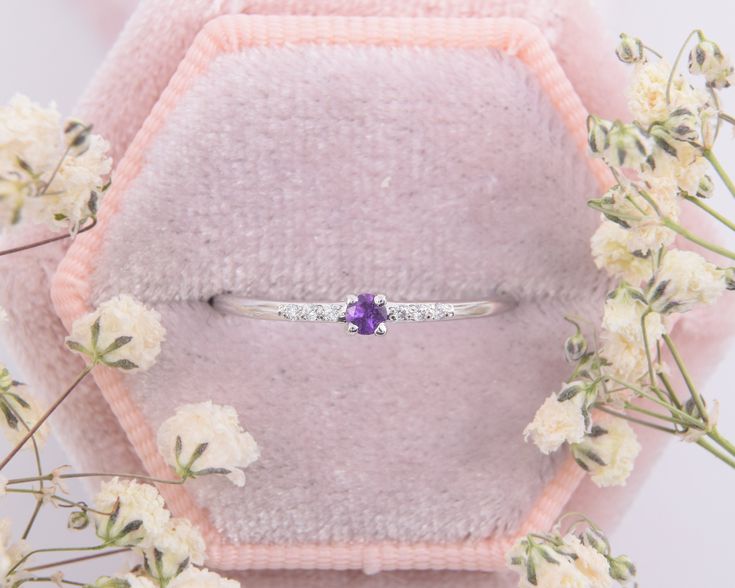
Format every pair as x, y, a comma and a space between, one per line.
73, 292
144, 62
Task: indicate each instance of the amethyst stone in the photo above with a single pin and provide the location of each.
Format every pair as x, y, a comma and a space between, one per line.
365, 314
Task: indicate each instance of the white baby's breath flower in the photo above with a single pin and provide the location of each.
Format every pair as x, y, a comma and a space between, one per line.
135, 513
73, 196
627, 145
590, 562
40, 181
534, 569
122, 333
207, 438
622, 336
630, 49
201, 578
558, 421
19, 411
10, 555
609, 453
684, 280
611, 250
707, 59
173, 550
647, 93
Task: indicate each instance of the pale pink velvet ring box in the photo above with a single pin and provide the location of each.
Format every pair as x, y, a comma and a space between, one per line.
303, 150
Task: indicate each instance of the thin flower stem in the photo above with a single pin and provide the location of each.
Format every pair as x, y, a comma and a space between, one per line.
95, 475
47, 241
686, 418
648, 352
677, 228
52, 177
715, 435
670, 390
710, 156
727, 459
637, 420
34, 515
49, 579
727, 118
711, 211
39, 468
651, 413
25, 558
61, 499
45, 416
687, 378
676, 63
73, 560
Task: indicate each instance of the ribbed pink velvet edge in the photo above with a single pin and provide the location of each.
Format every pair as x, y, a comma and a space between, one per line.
71, 288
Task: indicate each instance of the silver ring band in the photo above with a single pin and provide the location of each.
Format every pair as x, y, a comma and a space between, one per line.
365, 314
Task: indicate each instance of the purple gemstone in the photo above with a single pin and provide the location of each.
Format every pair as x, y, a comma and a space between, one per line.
365, 314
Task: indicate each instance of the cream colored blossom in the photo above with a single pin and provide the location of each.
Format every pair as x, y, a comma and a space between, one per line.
201, 578
687, 169
174, 549
80, 178
20, 411
611, 250
590, 562
684, 280
129, 334
707, 59
609, 456
10, 555
136, 513
647, 93
622, 336
632, 208
32, 144
207, 438
557, 422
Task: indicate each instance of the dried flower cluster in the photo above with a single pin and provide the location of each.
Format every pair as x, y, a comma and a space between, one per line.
579, 558
659, 162
51, 172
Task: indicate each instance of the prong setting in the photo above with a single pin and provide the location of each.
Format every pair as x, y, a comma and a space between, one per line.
380, 300
381, 330
352, 329
351, 299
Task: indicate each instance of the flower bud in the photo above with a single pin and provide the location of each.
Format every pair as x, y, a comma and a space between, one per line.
77, 136
730, 278
78, 520
622, 569
706, 187
597, 130
683, 124
707, 59
627, 145
630, 49
575, 347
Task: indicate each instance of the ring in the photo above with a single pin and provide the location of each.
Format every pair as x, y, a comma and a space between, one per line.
364, 314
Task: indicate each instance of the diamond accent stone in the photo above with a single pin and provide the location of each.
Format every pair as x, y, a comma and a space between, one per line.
420, 312
331, 313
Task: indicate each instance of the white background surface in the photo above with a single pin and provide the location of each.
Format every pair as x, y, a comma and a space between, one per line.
677, 528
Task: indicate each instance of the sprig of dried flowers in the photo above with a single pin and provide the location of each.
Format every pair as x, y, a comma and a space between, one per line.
55, 174
659, 162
